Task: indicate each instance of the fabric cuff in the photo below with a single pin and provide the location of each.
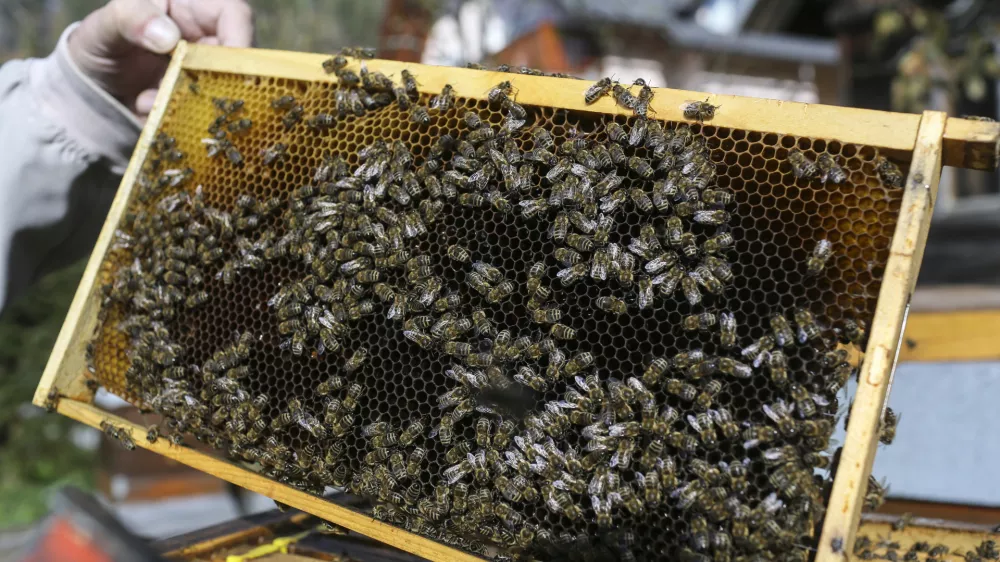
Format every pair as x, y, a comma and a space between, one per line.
102, 125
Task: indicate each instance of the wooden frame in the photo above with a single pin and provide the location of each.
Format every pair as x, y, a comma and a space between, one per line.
932, 138
906, 253
960, 537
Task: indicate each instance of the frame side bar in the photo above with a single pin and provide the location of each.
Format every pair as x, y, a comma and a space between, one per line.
364, 524
851, 481
67, 361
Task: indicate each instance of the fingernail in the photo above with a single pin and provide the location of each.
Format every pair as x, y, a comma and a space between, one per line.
161, 35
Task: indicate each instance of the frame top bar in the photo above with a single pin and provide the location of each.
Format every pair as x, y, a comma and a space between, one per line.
968, 144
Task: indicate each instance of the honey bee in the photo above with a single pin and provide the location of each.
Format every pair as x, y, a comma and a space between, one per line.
834, 358
778, 413
293, 117
717, 197
52, 400
283, 103
413, 463
887, 430
702, 322
808, 329
612, 305
783, 335
623, 97
611, 202
702, 424
875, 495
681, 389
420, 115
829, 170
497, 94
444, 100
572, 274
581, 242
717, 243
641, 167
852, 331
757, 351
755, 435
637, 133
777, 363
690, 289
561, 502
597, 90
715, 218
275, 153
562, 332
500, 292
335, 63
820, 256
241, 126
699, 110
890, 173
233, 155
802, 166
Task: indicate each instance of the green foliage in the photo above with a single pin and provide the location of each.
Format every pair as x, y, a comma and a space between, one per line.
931, 55
36, 450
32, 27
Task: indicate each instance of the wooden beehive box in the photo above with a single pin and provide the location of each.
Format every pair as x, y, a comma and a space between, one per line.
877, 234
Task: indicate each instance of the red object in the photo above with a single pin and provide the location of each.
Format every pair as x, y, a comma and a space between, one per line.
62, 541
540, 48
80, 529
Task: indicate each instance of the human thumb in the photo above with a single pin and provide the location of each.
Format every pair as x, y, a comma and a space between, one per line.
137, 22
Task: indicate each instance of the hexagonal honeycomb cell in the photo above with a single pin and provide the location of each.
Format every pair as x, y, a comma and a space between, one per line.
625, 398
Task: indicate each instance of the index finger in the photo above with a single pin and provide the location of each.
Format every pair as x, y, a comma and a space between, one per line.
235, 24
231, 21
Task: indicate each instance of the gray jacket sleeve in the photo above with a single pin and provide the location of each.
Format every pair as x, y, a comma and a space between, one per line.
64, 144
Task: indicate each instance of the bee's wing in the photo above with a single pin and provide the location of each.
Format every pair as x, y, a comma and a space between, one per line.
771, 413
773, 454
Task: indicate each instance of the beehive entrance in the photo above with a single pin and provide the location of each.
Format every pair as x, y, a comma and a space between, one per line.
776, 221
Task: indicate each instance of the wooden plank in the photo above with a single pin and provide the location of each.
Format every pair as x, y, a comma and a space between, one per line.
967, 335
968, 144
905, 256
67, 363
952, 298
967, 514
971, 144
894, 132
358, 522
202, 543
958, 539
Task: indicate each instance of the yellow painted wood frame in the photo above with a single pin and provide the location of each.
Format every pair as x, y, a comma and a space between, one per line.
932, 139
905, 255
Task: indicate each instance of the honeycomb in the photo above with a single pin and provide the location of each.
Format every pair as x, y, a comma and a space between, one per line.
406, 386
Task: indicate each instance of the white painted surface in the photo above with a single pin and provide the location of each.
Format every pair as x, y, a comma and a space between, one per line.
947, 446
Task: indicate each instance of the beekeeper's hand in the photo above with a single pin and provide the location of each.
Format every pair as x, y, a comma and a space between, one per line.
124, 46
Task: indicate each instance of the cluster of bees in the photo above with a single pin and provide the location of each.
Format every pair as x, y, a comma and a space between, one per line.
887, 549
597, 449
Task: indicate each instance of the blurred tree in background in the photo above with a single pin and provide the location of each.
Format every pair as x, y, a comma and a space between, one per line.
938, 47
35, 449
